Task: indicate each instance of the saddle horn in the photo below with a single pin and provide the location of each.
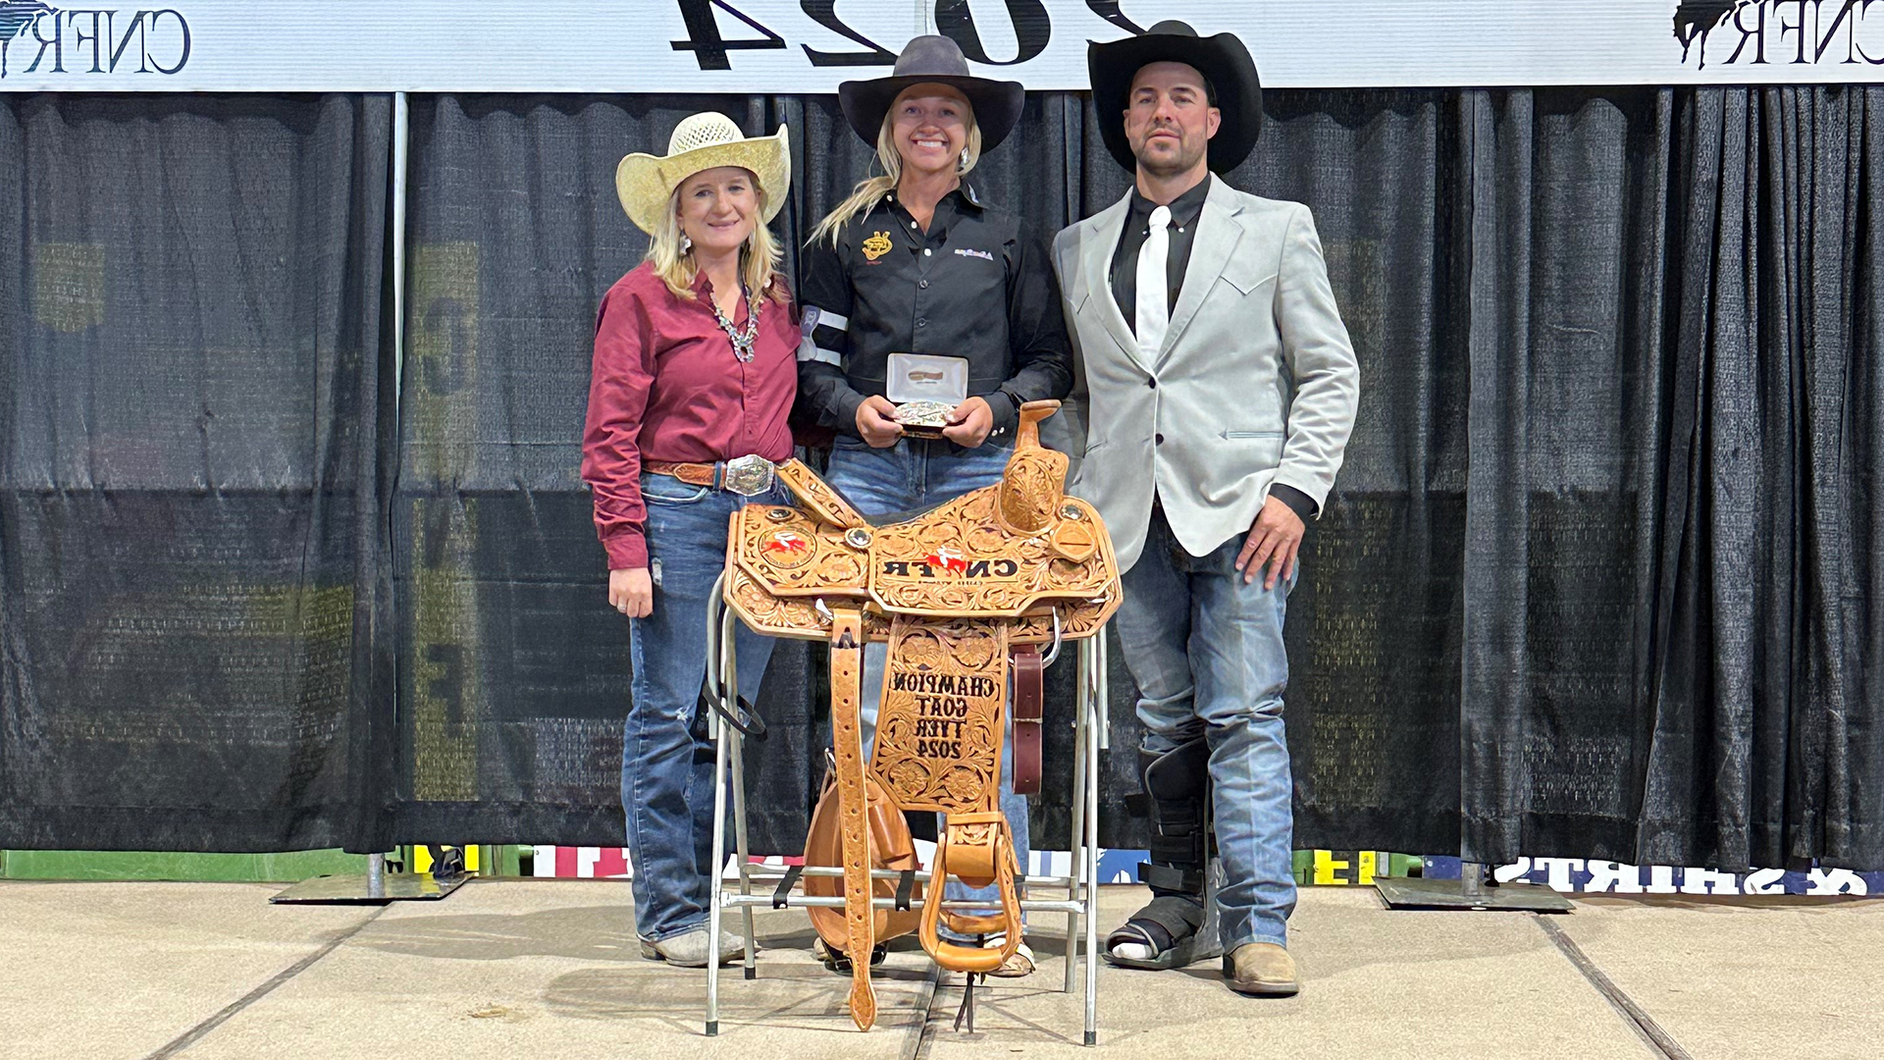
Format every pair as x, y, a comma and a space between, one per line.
1035, 482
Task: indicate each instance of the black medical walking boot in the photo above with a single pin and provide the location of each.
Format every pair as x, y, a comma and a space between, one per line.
1179, 925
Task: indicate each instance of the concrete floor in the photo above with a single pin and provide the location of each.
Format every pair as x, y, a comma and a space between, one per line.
550, 968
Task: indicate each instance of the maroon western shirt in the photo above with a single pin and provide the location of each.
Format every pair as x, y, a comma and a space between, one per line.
666, 386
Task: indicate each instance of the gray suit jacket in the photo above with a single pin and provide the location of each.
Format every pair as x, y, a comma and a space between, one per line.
1255, 383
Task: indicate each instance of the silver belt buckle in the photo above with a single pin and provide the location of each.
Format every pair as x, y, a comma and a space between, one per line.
748, 476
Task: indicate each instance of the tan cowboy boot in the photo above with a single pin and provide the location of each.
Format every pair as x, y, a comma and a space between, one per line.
1261, 969
689, 949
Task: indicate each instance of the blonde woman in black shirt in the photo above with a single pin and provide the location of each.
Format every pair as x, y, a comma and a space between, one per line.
914, 263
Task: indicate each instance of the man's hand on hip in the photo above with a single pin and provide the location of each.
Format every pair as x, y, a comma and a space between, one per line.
1273, 539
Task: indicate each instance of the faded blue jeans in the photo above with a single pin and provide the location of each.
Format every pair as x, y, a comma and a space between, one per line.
1206, 651
917, 473
666, 761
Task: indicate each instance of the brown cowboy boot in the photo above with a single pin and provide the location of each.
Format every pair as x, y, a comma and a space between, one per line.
1261, 969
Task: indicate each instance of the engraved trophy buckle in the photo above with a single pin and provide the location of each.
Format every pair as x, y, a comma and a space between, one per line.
748, 475
925, 388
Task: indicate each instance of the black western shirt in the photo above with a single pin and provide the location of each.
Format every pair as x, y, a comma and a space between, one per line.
972, 286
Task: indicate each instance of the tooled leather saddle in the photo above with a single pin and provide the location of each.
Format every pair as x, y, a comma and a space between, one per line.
961, 593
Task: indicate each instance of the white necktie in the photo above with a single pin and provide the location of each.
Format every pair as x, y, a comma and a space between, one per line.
1153, 313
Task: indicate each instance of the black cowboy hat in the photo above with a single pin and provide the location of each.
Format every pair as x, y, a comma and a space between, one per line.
933, 60
1228, 71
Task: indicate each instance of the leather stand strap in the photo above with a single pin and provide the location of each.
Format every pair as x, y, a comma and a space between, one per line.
847, 751
1029, 705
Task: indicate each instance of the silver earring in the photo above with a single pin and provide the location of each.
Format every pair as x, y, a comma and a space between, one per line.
686, 244
962, 166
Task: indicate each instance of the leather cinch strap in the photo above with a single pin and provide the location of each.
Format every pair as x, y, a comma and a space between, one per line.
1029, 701
847, 751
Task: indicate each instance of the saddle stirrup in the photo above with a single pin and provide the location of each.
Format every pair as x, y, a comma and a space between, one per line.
971, 844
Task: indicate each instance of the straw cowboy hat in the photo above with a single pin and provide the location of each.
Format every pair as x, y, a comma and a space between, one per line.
1223, 60
703, 141
934, 60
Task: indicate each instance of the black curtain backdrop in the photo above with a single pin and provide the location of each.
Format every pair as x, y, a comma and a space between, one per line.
195, 406
1595, 581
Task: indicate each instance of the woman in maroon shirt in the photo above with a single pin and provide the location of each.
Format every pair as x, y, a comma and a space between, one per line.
694, 375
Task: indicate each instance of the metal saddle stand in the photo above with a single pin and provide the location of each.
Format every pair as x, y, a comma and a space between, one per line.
960, 593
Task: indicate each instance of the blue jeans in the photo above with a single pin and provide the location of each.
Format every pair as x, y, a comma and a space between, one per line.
917, 473
666, 761
1207, 653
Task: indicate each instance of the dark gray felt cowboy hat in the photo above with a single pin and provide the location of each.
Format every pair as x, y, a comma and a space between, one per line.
933, 60
1228, 70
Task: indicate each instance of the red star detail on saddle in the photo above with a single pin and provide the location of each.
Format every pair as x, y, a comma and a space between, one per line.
788, 542
947, 559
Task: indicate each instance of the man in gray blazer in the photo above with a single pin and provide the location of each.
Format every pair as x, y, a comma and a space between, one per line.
1223, 389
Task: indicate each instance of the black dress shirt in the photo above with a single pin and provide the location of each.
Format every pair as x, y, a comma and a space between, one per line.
972, 286
1186, 211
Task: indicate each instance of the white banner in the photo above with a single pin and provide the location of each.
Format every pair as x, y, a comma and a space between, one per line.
808, 46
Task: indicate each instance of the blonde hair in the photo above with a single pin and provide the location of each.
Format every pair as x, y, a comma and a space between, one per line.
871, 190
758, 259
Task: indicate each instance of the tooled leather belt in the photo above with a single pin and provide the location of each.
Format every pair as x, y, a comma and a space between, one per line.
747, 476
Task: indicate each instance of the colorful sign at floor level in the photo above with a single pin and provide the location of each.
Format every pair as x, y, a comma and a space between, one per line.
1360, 868
1580, 876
